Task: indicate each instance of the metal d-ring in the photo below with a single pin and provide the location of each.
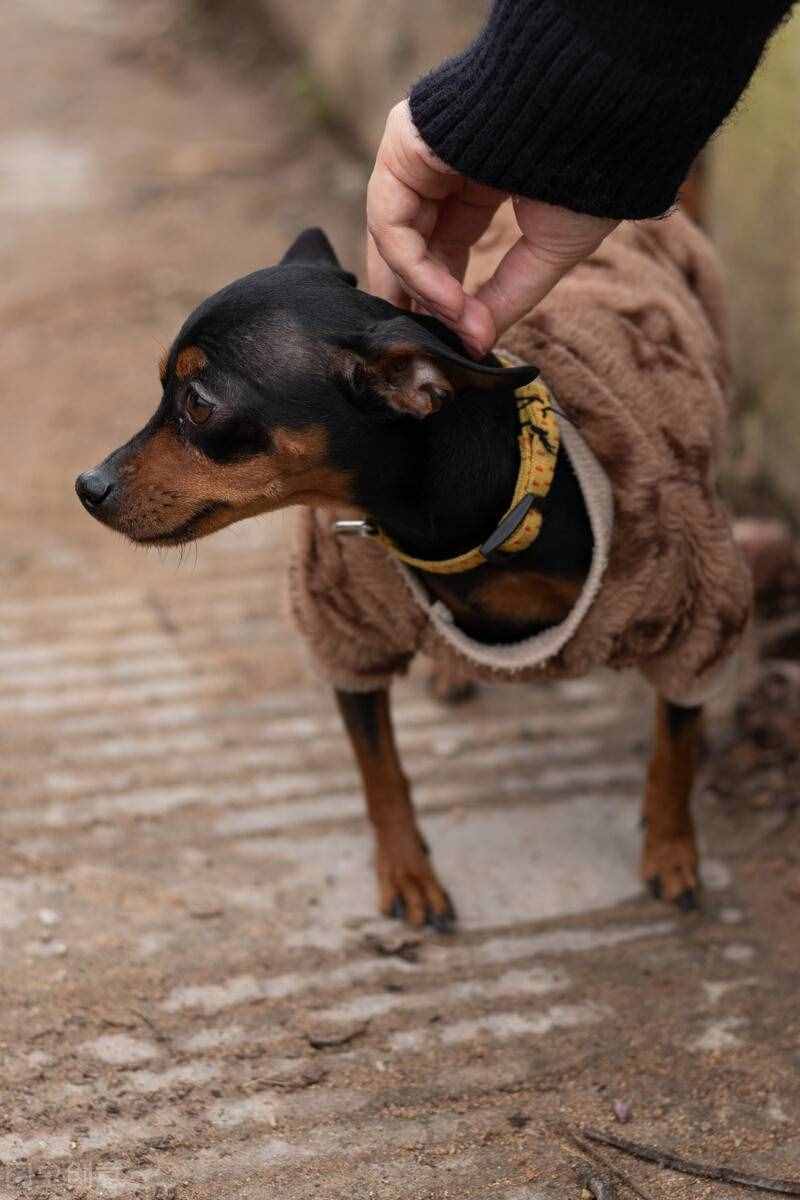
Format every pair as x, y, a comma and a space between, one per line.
354, 528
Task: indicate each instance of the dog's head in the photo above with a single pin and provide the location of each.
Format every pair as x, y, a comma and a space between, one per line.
276, 391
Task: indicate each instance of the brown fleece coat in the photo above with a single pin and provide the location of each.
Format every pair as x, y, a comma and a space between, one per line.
631, 344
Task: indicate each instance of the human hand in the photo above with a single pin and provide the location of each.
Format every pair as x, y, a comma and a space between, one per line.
423, 218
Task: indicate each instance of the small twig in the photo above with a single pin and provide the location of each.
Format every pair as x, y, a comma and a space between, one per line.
594, 1154
673, 1162
158, 1034
598, 1186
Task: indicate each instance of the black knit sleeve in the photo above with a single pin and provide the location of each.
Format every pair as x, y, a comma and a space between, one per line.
595, 105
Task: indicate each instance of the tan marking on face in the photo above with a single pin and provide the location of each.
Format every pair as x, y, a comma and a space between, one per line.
310, 444
167, 483
190, 361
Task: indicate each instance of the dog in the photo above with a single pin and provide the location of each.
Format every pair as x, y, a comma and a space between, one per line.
293, 387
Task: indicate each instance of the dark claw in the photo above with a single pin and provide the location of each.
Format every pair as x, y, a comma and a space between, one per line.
398, 909
687, 901
654, 885
443, 922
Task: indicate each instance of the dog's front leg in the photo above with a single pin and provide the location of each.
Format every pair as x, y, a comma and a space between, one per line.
669, 864
407, 884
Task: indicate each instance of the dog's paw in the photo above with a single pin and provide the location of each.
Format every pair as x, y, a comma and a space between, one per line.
408, 887
443, 921
669, 868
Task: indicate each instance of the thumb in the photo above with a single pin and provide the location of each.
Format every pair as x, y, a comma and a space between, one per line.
553, 241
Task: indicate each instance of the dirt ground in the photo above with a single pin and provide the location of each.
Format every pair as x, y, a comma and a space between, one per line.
197, 999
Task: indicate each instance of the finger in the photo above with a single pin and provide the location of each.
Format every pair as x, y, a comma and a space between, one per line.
381, 279
422, 275
553, 241
400, 223
520, 281
453, 258
477, 328
404, 197
463, 219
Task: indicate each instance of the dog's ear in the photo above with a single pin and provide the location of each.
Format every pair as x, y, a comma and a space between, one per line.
408, 363
313, 248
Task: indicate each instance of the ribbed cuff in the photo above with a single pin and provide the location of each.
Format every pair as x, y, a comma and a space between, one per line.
600, 108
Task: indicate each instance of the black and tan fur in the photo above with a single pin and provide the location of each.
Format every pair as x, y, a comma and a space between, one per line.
293, 387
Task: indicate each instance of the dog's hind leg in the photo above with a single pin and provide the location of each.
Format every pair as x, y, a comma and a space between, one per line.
669, 863
407, 884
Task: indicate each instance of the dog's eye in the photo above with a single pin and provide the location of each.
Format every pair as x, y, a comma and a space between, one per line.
198, 410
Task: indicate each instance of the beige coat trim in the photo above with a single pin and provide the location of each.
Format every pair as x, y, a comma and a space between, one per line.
535, 651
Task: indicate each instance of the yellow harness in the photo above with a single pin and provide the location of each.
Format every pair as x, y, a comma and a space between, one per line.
538, 441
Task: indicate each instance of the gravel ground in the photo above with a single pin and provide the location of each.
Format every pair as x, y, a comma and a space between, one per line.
197, 999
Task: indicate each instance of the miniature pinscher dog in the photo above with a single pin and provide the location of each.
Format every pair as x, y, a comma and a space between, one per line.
291, 386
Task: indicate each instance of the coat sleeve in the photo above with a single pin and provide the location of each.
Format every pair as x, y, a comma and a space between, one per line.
597, 106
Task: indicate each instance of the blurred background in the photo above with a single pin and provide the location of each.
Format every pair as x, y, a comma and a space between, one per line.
180, 815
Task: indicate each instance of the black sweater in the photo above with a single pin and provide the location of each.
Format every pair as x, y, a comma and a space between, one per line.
595, 105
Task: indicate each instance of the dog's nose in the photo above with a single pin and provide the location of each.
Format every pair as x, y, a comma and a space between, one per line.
94, 487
